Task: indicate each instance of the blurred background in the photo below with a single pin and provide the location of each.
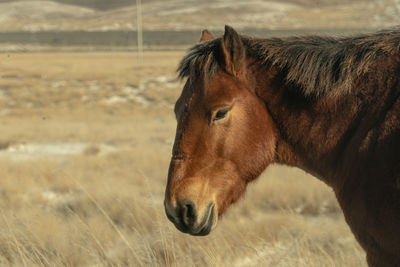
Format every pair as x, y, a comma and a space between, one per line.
87, 89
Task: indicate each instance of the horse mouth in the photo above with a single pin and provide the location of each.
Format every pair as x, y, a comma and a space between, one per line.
207, 223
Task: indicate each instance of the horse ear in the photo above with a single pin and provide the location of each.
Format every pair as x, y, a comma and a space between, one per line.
232, 50
206, 36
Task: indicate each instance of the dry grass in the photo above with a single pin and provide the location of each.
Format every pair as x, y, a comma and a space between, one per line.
102, 204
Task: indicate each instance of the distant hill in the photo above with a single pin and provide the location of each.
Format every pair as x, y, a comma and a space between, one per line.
110, 15
112, 4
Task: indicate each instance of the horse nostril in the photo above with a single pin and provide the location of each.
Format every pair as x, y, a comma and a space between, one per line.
189, 213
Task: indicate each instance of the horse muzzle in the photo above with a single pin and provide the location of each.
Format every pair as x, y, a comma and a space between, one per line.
188, 219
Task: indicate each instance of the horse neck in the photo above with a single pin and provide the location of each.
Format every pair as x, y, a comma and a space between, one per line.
314, 133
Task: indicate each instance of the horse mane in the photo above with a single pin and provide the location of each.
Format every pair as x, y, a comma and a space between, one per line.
318, 65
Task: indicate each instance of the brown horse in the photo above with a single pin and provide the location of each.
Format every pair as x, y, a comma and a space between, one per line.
329, 106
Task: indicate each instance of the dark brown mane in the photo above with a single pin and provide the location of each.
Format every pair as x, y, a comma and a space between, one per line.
319, 65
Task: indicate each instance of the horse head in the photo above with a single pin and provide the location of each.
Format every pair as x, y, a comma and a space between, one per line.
225, 137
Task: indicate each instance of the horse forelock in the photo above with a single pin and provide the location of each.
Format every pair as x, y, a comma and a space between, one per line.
201, 61
318, 65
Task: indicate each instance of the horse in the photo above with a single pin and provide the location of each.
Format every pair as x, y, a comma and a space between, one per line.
327, 105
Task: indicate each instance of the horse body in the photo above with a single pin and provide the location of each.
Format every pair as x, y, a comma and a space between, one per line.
352, 143
328, 106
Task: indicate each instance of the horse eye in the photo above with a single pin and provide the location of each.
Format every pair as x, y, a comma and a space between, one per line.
220, 114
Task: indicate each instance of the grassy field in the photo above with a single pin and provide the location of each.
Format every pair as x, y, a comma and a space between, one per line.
84, 149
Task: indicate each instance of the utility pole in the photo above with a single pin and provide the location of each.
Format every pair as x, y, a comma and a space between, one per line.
139, 31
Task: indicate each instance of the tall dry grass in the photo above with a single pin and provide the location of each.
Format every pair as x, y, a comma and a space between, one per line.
105, 208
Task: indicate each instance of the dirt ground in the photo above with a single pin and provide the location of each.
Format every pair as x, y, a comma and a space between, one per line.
84, 149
